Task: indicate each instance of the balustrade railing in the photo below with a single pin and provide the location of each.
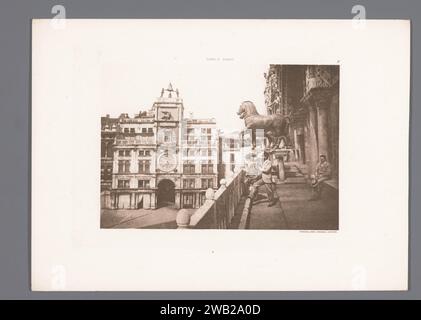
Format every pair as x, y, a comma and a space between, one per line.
219, 208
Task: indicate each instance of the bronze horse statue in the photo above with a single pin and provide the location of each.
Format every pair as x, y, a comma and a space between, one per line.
276, 126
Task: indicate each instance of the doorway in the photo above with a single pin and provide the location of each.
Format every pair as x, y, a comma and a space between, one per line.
166, 193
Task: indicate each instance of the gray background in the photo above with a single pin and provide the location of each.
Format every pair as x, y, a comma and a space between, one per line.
15, 125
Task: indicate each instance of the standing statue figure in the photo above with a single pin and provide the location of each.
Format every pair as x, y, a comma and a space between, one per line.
276, 126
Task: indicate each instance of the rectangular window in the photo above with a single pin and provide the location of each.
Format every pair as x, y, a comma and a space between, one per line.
121, 153
189, 168
204, 183
232, 157
144, 166
120, 166
126, 130
207, 168
123, 184
189, 183
143, 130
209, 131
132, 130
127, 166
188, 200
143, 184
207, 183
150, 130
203, 130
144, 153
204, 168
232, 144
127, 153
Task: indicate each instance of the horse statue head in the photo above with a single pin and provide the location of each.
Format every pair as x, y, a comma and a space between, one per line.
247, 108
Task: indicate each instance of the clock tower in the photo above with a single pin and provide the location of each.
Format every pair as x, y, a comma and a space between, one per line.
168, 110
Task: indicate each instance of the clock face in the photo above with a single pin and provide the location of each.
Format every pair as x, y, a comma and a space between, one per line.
167, 162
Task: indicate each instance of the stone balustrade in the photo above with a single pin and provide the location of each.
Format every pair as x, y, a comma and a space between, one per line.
219, 207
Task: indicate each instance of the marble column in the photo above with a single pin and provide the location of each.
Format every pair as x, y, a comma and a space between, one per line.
313, 145
322, 132
322, 100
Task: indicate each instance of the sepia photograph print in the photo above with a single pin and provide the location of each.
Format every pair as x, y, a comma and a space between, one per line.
165, 167
247, 155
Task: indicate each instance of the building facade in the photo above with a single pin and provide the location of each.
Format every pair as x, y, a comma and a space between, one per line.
309, 96
199, 159
160, 158
109, 128
241, 150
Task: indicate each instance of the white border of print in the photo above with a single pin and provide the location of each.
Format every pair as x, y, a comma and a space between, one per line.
370, 250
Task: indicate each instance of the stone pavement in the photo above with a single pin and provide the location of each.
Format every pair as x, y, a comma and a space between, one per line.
295, 212
141, 218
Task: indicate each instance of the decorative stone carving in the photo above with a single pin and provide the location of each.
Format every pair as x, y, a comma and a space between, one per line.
318, 77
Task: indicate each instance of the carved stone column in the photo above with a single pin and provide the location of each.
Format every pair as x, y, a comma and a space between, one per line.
312, 130
322, 102
319, 81
322, 131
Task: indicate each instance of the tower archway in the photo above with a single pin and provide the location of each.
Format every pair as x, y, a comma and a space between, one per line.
166, 193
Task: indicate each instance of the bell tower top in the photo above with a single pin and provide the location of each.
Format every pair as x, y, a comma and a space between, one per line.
170, 92
169, 106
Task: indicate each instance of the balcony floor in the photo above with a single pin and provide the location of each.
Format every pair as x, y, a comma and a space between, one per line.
295, 212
